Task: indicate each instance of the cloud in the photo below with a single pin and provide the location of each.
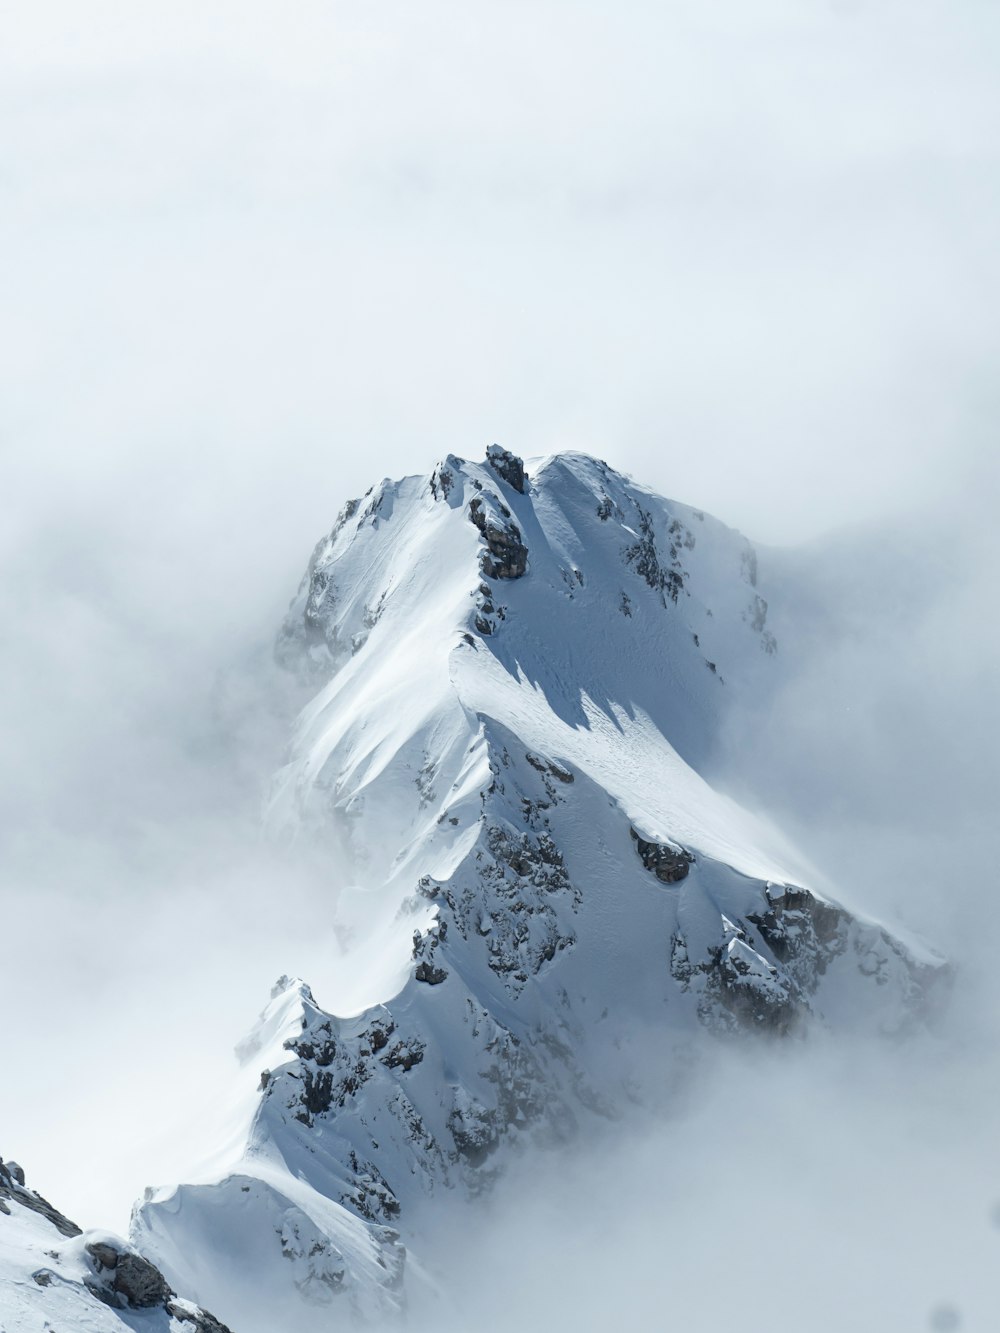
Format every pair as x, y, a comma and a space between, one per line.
747, 251
808, 1187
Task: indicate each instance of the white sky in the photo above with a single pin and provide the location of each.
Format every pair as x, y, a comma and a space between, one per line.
746, 250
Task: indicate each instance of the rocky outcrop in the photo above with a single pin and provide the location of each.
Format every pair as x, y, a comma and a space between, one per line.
668, 862
425, 948
549, 768
515, 903
442, 481
764, 970
506, 556
112, 1271
748, 989
507, 466
14, 1190
194, 1319
125, 1279
737, 988
795, 924
489, 611
665, 576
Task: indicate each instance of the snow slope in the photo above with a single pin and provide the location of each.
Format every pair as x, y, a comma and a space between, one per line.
519, 687
55, 1277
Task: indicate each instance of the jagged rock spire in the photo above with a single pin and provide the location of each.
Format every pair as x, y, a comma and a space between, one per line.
507, 466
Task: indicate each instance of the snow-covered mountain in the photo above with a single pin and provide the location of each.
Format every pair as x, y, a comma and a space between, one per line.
53, 1276
519, 684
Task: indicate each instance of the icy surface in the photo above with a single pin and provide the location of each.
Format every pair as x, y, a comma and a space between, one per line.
520, 678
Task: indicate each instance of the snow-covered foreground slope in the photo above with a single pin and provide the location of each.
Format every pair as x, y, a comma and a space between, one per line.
55, 1277
519, 685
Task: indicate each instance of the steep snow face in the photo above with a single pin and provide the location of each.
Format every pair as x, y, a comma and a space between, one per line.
54, 1276
520, 678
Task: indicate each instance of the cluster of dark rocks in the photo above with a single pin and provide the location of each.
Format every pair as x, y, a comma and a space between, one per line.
668, 863
14, 1190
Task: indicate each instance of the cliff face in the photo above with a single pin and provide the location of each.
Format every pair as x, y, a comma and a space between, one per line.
519, 682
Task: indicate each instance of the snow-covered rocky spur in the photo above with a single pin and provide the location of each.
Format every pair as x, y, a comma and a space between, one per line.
55, 1276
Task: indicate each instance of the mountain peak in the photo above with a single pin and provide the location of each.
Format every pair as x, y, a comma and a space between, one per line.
517, 688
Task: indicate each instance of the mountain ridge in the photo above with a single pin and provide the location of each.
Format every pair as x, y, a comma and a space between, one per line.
517, 678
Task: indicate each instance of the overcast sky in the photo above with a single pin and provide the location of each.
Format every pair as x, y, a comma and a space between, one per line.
257, 254
255, 257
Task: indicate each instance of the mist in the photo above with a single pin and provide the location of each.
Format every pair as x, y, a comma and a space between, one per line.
813, 1190
255, 260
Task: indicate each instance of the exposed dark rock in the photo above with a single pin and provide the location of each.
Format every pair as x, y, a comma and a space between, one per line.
104, 1256
370, 1194
739, 989
753, 991
803, 933
320, 1051
104, 1293
475, 1133
135, 1282
12, 1187
142, 1285
510, 904
200, 1320
379, 1036
606, 507
506, 556
681, 968
404, 1055
547, 766
425, 947
668, 864
643, 556
317, 1090
766, 984
756, 616
507, 466
442, 481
